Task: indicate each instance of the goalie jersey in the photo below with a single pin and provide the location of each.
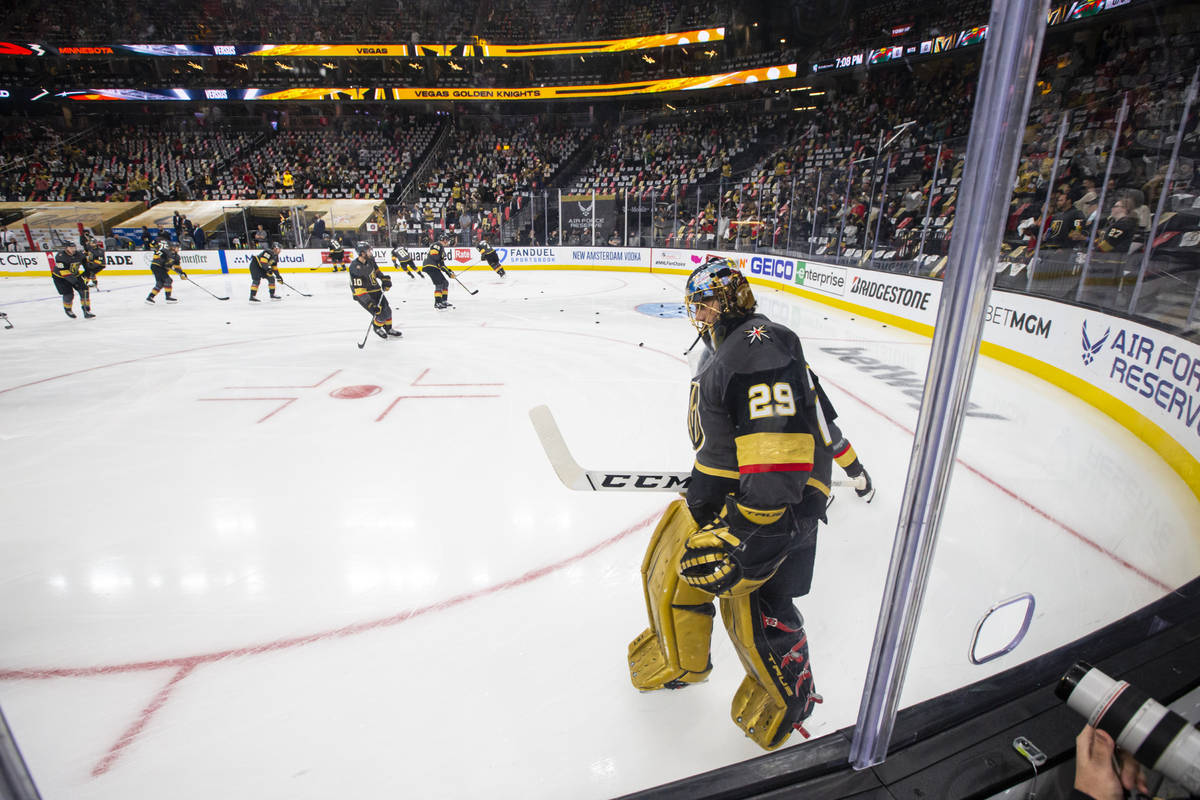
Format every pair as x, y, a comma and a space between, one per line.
760, 424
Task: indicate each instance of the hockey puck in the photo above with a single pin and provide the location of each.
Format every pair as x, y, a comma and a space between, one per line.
640, 344
226, 323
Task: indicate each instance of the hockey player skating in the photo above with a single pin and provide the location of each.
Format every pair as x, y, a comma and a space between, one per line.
265, 265
435, 267
402, 259
765, 442
93, 259
491, 257
369, 284
337, 253
166, 258
69, 276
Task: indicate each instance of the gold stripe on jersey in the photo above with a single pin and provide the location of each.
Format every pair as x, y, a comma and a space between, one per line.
846, 457
775, 452
719, 473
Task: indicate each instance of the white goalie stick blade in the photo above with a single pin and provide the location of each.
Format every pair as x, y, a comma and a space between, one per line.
576, 477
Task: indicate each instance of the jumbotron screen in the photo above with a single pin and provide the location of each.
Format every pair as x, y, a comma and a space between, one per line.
480, 49
393, 93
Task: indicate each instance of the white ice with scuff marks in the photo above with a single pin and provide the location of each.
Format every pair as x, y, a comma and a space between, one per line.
221, 580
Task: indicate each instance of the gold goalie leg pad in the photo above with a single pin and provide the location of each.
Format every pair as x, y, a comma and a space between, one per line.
777, 693
673, 651
758, 714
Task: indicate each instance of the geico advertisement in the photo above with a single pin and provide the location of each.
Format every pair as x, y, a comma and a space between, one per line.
777, 268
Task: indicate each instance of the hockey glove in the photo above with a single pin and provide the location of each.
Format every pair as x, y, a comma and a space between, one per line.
182, 274
737, 552
863, 486
386, 282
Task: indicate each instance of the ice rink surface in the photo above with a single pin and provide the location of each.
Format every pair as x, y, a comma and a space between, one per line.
245, 559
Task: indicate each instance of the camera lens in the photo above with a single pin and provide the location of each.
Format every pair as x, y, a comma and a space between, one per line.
1158, 737
1068, 682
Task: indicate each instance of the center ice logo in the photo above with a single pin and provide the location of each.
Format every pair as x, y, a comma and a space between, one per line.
1090, 350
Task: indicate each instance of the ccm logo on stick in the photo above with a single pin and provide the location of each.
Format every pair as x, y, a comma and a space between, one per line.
648, 480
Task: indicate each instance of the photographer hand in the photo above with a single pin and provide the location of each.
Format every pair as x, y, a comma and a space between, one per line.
1094, 773
1133, 778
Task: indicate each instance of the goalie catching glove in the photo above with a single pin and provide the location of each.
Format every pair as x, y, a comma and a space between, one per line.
738, 551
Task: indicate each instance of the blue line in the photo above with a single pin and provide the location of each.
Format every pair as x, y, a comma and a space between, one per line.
224, 266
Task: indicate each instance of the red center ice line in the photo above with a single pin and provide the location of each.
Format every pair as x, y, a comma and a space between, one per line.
183, 667
286, 401
417, 382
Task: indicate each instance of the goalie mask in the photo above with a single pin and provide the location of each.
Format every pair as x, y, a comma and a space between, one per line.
717, 297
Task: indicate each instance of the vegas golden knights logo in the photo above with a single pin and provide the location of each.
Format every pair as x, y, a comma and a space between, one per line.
695, 431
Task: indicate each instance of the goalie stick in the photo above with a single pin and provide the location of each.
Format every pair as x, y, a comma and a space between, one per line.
576, 477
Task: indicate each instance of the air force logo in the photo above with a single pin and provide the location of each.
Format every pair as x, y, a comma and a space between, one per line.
1090, 350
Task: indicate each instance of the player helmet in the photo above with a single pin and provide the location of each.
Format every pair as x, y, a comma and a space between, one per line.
276, 246
482, 243
363, 247
719, 293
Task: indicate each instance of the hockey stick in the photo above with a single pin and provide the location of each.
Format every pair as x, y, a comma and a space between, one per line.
189, 280
367, 335
7, 324
576, 477
460, 283
293, 288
